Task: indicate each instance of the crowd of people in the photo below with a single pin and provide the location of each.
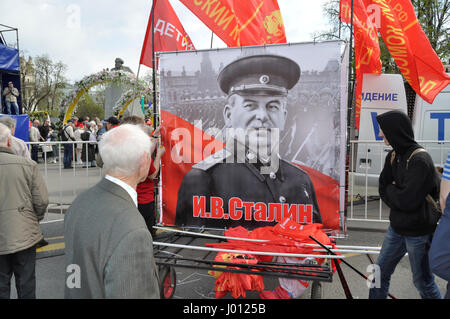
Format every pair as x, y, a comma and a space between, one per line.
131, 180
83, 130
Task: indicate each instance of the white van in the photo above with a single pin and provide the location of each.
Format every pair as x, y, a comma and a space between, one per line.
431, 122
431, 125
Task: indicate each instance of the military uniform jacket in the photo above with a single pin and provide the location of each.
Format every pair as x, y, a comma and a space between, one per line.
243, 183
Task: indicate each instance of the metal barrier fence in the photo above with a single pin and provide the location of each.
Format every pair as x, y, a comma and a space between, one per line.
366, 162
64, 184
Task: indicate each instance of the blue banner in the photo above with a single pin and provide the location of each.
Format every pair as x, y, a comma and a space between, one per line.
22, 126
9, 59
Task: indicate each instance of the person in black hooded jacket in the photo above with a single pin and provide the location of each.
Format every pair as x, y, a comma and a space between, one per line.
404, 183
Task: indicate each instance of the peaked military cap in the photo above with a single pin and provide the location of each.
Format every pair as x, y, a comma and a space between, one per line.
259, 74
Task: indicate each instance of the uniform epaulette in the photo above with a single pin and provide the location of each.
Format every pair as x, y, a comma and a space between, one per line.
212, 160
295, 166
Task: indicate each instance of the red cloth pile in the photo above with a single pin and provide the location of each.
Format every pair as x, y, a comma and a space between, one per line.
236, 283
285, 237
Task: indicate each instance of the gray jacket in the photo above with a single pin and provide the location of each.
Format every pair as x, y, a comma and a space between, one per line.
107, 238
23, 202
19, 147
10, 94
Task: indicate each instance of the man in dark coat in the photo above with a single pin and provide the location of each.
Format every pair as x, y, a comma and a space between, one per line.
242, 185
109, 250
404, 184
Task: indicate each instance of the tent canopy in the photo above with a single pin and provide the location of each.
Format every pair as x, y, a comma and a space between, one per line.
9, 56
9, 65
9, 59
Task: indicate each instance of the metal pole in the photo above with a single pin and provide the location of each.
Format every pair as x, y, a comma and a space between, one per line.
349, 107
155, 117
350, 68
154, 66
20, 76
346, 263
262, 253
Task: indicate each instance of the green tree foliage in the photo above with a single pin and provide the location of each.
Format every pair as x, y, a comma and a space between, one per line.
434, 17
87, 107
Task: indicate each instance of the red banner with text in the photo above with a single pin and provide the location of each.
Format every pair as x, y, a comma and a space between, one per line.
410, 47
169, 33
241, 23
367, 48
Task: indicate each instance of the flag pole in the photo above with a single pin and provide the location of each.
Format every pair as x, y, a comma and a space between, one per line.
155, 117
350, 58
154, 66
349, 109
212, 37
137, 74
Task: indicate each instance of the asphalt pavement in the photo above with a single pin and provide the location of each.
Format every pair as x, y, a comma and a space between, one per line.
197, 284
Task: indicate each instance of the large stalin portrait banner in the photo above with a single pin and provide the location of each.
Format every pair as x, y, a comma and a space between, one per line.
253, 135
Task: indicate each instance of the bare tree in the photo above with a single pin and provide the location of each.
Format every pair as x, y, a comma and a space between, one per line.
49, 80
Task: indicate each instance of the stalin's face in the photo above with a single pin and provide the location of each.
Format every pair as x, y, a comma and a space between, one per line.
257, 115
255, 112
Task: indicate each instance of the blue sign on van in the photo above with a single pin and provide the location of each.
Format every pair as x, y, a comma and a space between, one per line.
376, 127
441, 117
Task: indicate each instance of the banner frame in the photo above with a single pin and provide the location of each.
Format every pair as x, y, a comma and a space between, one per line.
344, 116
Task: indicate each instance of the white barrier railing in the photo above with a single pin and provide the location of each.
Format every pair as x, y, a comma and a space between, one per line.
64, 184
366, 162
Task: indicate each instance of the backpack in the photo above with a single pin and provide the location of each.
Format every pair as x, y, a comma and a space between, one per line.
61, 134
434, 202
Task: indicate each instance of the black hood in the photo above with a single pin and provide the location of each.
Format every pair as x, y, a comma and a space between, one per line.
397, 129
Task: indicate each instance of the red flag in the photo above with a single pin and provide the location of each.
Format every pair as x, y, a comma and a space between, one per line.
367, 51
345, 10
410, 47
241, 23
168, 30
367, 48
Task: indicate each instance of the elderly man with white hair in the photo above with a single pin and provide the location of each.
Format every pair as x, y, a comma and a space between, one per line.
18, 146
23, 203
109, 250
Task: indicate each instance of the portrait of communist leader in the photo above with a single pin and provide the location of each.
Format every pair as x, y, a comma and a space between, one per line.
239, 185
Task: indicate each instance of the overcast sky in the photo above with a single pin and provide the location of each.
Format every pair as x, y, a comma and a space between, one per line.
88, 35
